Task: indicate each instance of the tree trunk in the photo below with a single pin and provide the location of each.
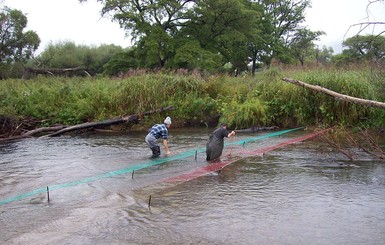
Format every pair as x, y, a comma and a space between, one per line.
254, 63
336, 95
33, 132
133, 118
52, 71
60, 130
124, 119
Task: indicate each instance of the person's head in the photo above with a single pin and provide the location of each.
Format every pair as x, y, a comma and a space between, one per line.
167, 121
223, 125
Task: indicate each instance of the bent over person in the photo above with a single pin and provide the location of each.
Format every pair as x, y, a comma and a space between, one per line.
156, 132
215, 143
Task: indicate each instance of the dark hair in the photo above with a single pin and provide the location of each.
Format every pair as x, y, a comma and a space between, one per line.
223, 124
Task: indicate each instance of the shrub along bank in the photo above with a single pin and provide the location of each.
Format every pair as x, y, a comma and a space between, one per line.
243, 102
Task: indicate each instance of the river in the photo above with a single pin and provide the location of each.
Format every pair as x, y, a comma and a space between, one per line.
104, 189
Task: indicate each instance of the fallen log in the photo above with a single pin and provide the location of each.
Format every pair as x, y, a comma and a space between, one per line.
125, 119
89, 125
52, 71
32, 133
336, 95
60, 130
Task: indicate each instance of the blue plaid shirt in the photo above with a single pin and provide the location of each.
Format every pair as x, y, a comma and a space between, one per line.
159, 131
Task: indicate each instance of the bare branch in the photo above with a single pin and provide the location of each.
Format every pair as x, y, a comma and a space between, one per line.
368, 23
336, 95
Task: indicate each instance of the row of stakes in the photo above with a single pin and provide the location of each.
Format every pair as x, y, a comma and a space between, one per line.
149, 199
132, 176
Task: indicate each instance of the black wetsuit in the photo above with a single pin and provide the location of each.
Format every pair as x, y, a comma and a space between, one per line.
215, 143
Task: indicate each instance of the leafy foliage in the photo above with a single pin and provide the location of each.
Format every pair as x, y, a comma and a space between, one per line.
69, 55
369, 48
17, 45
301, 43
214, 36
246, 114
192, 56
206, 34
263, 100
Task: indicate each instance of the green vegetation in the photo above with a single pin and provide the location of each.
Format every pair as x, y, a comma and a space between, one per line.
17, 45
213, 36
178, 34
262, 100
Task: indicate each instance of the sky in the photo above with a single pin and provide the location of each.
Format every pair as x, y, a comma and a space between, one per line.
337, 17
68, 20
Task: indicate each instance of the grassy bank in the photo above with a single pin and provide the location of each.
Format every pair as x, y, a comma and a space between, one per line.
263, 100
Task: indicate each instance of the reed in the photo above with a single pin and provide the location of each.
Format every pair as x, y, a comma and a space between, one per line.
240, 101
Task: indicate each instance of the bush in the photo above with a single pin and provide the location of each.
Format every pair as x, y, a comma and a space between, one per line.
242, 102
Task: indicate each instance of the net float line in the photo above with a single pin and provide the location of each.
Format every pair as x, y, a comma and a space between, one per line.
217, 166
140, 166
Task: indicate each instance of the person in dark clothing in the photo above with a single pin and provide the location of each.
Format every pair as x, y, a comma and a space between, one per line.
215, 143
156, 132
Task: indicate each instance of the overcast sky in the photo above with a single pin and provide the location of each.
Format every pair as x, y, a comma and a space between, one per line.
336, 17
68, 20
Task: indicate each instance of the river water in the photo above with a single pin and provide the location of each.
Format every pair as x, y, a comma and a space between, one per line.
104, 189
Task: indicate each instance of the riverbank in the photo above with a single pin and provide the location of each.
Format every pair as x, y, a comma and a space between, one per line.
198, 101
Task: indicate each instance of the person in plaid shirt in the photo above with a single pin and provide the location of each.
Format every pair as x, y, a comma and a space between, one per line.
156, 132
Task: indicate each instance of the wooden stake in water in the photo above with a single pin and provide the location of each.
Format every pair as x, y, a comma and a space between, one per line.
196, 154
48, 194
149, 202
132, 176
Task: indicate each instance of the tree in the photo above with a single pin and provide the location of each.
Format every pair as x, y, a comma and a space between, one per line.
60, 55
224, 27
359, 48
63, 55
369, 47
16, 45
154, 25
170, 33
163, 31
95, 58
369, 23
121, 62
278, 20
323, 55
259, 47
302, 43
190, 55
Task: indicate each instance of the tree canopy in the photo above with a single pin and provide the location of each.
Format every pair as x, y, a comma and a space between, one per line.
69, 55
207, 34
362, 48
17, 45
302, 43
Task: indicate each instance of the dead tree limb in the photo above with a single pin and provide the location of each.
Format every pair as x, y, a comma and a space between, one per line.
43, 129
51, 71
128, 118
337, 146
32, 133
60, 130
336, 95
89, 125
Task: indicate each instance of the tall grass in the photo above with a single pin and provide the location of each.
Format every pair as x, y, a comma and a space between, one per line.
240, 101
356, 83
